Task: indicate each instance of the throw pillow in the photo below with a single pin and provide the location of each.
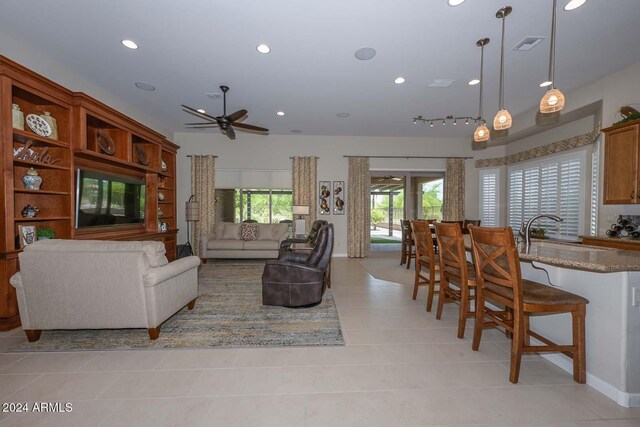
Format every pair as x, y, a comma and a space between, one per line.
249, 231
231, 231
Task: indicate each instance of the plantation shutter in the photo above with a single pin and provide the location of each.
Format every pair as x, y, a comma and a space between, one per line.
516, 196
489, 204
550, 186
593, 217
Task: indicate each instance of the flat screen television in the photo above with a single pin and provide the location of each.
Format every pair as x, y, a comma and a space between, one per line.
104, 200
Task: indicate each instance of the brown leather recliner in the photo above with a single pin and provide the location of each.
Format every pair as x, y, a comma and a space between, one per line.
296, 284
311, 238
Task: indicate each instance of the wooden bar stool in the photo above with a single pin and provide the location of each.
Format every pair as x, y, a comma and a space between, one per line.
407, 243
426, 260
454, 268
500, 280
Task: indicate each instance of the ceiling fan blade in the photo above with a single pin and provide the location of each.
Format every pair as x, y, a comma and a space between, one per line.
231, 134
202, 127
197, 113
251, 128
237, 115
201, 123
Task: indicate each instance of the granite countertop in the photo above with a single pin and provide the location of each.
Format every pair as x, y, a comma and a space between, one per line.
578, 256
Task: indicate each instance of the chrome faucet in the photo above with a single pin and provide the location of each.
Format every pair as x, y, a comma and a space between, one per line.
527, 239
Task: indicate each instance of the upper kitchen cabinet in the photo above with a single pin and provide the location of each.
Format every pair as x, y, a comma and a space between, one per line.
621, 171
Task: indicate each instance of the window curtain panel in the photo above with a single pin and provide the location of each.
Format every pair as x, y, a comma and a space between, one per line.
454, 190
304, 175
203, 186
359, 212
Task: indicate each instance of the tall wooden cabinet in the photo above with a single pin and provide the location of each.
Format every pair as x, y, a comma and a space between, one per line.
621, 164
82, 123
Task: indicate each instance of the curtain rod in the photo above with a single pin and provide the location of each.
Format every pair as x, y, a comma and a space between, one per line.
312, 157
202, 155
413, 157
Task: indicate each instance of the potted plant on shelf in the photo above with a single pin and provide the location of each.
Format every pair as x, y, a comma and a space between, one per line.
45, 233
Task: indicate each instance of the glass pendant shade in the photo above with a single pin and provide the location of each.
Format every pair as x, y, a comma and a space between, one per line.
552, 101
482, 133
502, 120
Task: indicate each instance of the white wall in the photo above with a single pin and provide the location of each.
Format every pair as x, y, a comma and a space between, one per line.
273, 152
40, 62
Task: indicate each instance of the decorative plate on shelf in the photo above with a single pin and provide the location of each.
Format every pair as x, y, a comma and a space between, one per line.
164, 166
143, 156
105, 142
38, 125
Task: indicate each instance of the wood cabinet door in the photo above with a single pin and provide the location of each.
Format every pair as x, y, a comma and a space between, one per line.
621, 166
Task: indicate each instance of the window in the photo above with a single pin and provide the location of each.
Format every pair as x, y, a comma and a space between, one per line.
593, 217
552, 186
263, 205
489, 197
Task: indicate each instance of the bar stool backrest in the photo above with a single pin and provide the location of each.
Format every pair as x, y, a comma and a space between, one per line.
453, 259
496, 259
423, 239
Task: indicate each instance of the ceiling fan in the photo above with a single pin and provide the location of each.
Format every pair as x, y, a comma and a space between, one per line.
389, 177
225, 122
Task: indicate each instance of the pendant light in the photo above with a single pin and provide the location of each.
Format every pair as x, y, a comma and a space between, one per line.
553, 99
503, 118
482, 131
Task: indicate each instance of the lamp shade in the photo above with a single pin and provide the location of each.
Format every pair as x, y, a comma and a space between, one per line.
192, 212
502, 120
481, 134
300, 210
552, 101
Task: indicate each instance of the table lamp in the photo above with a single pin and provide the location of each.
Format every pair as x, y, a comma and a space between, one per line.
300, 210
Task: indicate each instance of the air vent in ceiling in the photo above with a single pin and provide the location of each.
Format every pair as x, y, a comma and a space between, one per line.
441, 83
528, 43
214, 95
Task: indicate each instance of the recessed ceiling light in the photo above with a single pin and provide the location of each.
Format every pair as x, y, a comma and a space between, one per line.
263, 48
574, 4
343, 115
399, 80
455, 2
201, 111
130, 44
474, 82
145, 86
280, 113
296, 131
365, 53
547, 83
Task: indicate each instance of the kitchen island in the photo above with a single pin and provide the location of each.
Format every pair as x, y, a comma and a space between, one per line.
610, 280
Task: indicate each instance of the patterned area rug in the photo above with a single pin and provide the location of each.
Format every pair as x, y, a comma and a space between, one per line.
228, 313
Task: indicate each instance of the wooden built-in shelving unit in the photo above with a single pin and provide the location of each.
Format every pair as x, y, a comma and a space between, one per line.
139, 153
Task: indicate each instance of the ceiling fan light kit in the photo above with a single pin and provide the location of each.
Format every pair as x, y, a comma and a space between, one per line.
553, 99
502, 119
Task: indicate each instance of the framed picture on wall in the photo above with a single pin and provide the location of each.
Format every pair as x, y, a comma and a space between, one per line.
338, 198
27, 234
324, 207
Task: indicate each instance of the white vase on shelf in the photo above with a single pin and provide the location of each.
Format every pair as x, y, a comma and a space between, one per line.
47, 117
17, 117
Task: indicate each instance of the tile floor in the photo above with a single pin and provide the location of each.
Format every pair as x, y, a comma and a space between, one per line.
400, 367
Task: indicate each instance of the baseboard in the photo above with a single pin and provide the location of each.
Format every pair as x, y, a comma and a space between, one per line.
622, 398
342, 255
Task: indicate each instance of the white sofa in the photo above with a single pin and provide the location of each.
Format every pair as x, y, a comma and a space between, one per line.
98, 284
225, 241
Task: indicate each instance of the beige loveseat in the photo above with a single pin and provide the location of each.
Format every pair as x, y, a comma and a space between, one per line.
97, 284
225, 241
